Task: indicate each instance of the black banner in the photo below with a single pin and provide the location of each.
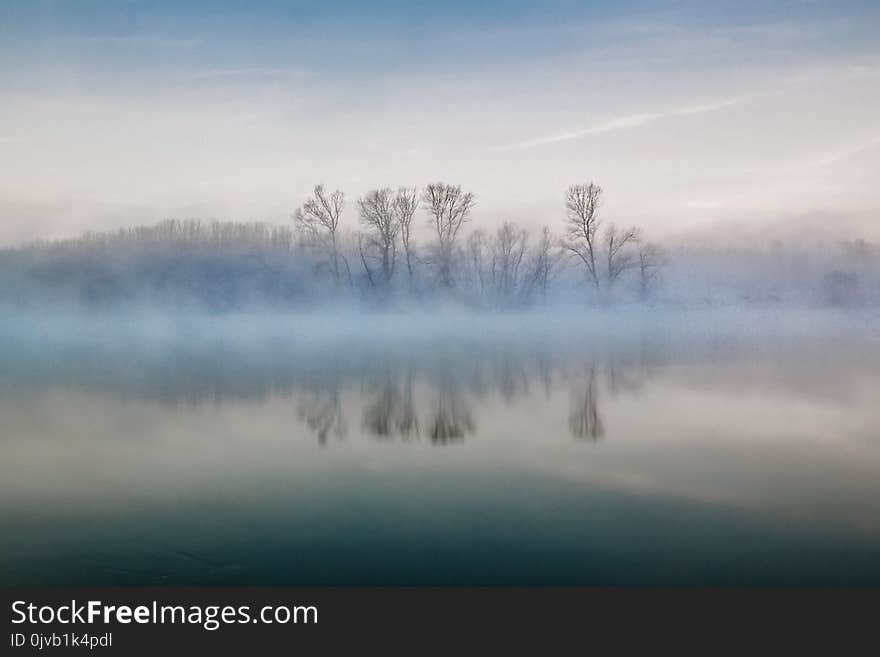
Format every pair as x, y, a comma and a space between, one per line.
149, 621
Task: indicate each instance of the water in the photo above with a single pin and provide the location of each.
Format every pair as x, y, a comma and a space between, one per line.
484, 451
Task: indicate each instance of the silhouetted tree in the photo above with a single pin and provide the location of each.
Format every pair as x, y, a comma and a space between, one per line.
477, 251
318, 222
582, 224
619, 257
507, 271
651, 259
543, 265
449, 208
377, 210
406, 202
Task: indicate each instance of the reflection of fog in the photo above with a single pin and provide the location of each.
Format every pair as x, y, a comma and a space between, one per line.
440, 392
624, 378
392, 393
511, 377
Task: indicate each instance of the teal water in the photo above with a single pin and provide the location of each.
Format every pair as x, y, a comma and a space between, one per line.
637, 459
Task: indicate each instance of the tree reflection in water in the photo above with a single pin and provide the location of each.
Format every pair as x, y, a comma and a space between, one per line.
322, 412
392, 411
437, 401
584, 420
436, 391
451, 420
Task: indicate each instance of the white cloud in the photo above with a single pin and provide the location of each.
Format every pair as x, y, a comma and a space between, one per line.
626, 122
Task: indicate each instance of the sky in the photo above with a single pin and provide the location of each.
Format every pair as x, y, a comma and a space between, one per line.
696, 118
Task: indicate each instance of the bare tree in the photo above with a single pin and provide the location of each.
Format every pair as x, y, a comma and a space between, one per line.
450, 208
318, 222
651, 260
477, 250
508, 250
618, 252
542, 265
505, 270
405, 205
378, 213
582, 224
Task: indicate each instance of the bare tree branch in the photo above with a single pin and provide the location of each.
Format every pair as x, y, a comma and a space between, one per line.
449, 208
651, 261
318, 223
406, 203
377, 210
582, 224
618, 254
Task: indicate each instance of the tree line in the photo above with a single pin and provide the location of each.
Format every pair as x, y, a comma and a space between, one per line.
504, 268
413, 246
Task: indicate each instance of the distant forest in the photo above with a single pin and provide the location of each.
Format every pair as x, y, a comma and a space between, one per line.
318, 260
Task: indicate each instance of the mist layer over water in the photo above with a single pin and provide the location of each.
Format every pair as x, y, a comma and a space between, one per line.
619, 447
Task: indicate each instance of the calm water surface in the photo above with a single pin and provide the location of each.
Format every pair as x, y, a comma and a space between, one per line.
514, 457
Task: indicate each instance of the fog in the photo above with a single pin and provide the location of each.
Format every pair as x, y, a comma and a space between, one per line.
420, 373
189, 311
215, 267
200, 403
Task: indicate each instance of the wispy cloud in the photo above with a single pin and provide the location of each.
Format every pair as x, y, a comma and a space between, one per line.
626, 122
237, 73
848, 153
143, 40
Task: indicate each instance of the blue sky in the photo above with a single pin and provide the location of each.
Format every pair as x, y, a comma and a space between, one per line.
690, 114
